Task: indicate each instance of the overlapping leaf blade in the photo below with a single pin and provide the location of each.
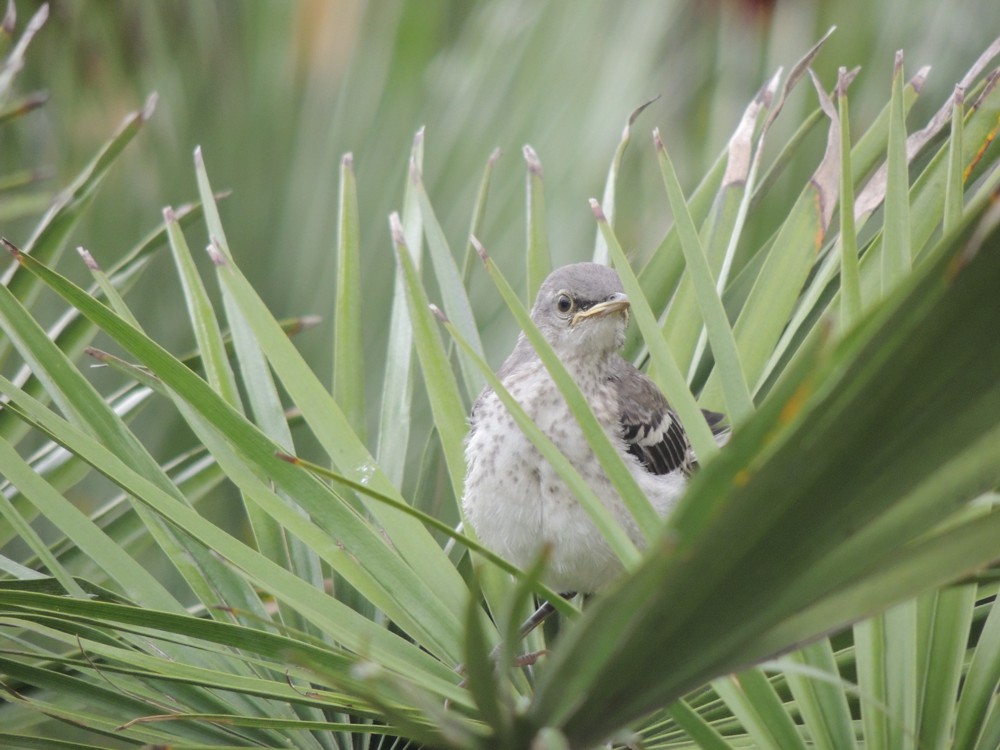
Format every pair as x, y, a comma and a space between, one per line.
678, 628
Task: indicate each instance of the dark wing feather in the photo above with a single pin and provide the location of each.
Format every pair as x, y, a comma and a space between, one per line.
717, 423
650, 428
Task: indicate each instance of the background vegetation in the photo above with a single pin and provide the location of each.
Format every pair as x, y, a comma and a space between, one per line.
275, 95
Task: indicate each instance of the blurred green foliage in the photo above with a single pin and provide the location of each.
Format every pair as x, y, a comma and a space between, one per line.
276, 93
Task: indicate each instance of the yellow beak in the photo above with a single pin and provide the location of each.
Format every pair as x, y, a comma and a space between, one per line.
618, 303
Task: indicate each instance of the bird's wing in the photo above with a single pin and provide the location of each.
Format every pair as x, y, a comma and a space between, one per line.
717, 423
651, 429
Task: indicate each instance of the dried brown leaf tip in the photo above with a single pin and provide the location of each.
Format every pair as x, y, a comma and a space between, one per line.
532, 160
598, 211
396, 229
438, 313
480, 250
658, 141
35, 23
88, 259
30, 102
9, 19
918, 81
638, 111
306, 321
149, 107
826, 178
740, 146
799, 69
294, 460
842, 82
851, 75
215, 253
13, 249
765, 96
98, 354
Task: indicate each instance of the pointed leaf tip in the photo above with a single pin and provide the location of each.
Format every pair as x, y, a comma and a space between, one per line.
88, 259
598, 211
845, 78
396, 229
841, 80
37, 21
347, 160
532, 160
215, 253
639, 110
826, 178
799, 69
740, 148
9, 19
765, 96
657, 140
99, 354
13, 249
149, 107
199, 159
495, 156
478, 246
897, 66
824, 100
169, 215
33, 101
294, 460
438, 313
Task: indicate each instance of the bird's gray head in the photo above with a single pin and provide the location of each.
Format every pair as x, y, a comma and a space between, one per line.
582, 309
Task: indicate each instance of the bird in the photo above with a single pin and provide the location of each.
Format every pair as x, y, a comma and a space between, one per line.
514, 500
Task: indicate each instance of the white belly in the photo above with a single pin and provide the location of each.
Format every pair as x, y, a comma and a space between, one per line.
518, 505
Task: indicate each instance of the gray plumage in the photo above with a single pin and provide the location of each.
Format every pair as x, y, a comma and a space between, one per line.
513, 499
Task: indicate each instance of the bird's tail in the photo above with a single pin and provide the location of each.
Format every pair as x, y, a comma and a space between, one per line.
720, 428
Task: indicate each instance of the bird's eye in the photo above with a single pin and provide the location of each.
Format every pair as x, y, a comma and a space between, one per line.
564, 303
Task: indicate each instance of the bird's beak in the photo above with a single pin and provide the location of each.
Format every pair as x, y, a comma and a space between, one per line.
617, 304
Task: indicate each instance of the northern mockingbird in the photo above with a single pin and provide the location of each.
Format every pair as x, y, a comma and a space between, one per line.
513, 498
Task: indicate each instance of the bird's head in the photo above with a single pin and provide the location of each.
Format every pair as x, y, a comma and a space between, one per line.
582, 310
